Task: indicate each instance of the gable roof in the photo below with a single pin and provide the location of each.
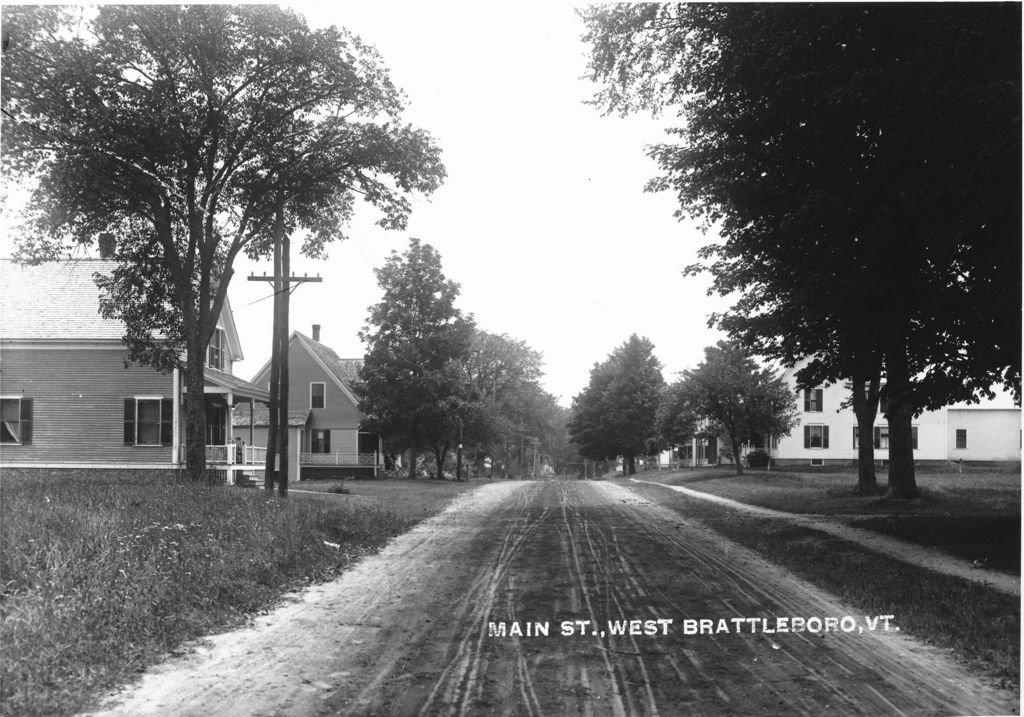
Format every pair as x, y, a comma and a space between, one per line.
342, 371
59, 301
54, 300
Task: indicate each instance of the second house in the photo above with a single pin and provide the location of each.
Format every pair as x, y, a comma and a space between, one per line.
323, 413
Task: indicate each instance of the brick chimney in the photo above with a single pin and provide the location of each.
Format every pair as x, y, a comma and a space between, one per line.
107, 244
316, 332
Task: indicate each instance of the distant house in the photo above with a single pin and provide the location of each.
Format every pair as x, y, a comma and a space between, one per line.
825, 434
331, 442
69, 399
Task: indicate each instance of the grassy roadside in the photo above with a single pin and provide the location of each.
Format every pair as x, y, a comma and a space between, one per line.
101, 579
981, 625
970, 516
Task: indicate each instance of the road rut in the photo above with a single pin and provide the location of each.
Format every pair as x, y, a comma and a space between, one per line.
410, 630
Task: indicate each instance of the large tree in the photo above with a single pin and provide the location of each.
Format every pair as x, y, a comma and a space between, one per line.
616, 414
735, 398
862, 165
412, 384
195, 133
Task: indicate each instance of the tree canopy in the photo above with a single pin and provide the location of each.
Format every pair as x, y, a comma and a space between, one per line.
412, 384
616, 414
194, 133
861, 164
732, 397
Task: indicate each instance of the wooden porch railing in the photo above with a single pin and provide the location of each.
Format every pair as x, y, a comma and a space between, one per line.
337, 459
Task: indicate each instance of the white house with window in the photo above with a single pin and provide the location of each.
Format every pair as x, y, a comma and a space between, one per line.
827, 434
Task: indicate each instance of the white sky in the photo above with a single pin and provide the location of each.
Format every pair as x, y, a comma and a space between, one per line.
542, 220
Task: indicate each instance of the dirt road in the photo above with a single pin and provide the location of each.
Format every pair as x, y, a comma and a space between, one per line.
416, 629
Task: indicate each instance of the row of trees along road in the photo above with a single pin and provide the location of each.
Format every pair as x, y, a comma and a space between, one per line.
193, 134
431, 379
861, 164
627, 409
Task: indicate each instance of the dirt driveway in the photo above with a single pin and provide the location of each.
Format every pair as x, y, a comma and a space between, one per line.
416, 629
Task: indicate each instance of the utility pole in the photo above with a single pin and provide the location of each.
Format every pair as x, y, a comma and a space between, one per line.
277, 435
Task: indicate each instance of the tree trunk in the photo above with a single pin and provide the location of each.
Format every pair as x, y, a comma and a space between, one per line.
440, 453
270, 474
736, 459
412, 464
865, 407
631, 462
902, 481
195, 410
282, 337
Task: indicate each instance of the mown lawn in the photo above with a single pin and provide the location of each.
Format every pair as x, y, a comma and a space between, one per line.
974, 516
101, 578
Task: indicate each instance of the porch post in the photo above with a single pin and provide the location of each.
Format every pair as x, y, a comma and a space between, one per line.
380, 454
693, 455
231, 422
176, 417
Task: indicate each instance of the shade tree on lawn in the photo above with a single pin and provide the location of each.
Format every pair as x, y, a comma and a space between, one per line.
412, 385
193, 134
729, 395
861, 164
616, 414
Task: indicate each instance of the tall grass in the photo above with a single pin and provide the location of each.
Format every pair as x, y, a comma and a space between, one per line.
98, 579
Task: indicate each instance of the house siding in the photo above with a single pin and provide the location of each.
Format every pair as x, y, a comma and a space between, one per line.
78, 405
993, 433
339, 415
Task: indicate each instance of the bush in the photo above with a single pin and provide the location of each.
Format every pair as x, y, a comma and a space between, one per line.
757, 459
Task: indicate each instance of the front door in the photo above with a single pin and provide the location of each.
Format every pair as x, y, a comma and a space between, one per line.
216, 423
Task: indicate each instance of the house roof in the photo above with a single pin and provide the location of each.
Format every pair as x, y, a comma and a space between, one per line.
261, 417
344, 370
239, 386
70, 311
54, 300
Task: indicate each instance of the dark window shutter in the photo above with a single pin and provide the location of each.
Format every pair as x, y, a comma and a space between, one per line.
26, 421
856, 435
824, 436
807, 400
166, 422
129, 421
327, 441
818, 400
807, 436
913, 438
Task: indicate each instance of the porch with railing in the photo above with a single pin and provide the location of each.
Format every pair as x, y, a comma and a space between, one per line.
338, 459
229, 454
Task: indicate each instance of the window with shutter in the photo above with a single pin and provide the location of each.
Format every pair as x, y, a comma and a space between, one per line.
816, 436
812, 400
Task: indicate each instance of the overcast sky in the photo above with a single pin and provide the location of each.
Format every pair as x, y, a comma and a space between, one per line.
542, 220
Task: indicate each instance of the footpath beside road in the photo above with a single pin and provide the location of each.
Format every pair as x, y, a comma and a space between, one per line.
560, 597
907, 552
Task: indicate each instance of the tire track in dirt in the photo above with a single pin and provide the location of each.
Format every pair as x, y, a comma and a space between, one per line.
405, 632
